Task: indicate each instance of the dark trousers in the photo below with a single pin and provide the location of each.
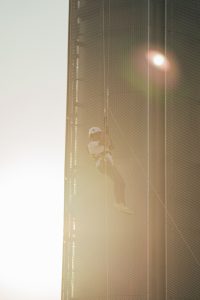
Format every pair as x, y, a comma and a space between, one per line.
106, 167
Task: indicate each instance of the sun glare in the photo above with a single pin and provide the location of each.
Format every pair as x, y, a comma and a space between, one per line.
158, 60
31, 231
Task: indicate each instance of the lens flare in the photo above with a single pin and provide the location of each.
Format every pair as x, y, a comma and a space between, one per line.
158, 60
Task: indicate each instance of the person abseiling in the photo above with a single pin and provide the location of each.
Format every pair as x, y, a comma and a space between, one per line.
100, 147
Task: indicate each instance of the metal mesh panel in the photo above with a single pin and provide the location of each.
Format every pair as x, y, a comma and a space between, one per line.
100, 254
153, 120
183, 153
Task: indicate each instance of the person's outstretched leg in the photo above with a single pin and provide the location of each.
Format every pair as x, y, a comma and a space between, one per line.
119, 184
107, 167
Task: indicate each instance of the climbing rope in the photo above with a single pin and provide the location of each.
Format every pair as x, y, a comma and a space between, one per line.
105, 112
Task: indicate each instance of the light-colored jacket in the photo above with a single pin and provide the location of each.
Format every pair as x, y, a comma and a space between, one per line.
99, 153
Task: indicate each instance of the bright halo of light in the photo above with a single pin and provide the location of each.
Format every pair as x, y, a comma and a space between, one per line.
158, 60
31, 231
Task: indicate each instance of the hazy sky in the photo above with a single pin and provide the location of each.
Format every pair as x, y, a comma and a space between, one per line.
33, 68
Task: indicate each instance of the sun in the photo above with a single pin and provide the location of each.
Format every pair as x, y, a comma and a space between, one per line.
158, 60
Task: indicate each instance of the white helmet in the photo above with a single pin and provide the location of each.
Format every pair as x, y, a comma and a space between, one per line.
93, 130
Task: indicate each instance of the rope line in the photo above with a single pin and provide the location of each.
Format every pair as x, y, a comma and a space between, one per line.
105, 112
166, 195
148, 157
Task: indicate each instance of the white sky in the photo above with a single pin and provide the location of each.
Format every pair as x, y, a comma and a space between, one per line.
33, 68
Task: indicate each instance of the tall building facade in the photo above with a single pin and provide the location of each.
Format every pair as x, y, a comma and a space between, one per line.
133, 69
